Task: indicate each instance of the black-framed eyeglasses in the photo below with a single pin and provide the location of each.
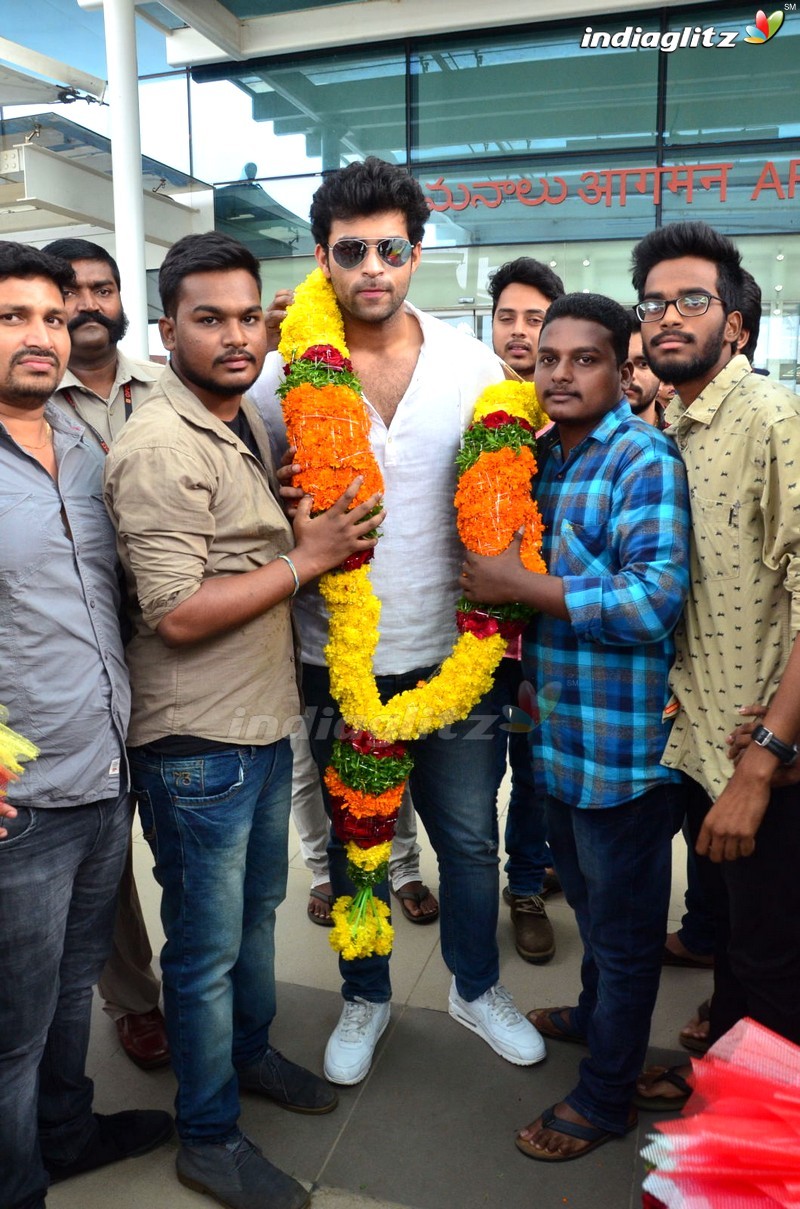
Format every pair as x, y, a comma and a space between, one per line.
688, 305
349, 253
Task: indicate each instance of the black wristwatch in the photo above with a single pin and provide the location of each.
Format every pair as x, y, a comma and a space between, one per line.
786, 753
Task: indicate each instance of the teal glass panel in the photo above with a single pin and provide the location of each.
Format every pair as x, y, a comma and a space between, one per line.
737, 194
269, 216
744, 92
328, 110
538, 90
496, 203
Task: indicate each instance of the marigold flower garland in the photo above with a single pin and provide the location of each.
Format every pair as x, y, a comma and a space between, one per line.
328, 423
13, 750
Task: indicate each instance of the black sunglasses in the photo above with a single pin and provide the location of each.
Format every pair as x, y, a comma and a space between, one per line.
349, 253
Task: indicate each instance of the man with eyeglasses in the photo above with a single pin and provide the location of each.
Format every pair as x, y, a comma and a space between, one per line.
420, 379
739, 435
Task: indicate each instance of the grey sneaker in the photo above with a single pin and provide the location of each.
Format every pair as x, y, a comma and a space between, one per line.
533, 932
495, 1018
288, 1084
237, 1175
348, 1054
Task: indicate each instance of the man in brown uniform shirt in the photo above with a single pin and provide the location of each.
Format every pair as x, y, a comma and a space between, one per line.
206, 550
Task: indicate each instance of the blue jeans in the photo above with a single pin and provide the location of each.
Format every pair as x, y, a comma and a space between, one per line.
454, 786
615, 866
526, 827
59, 875
218, 827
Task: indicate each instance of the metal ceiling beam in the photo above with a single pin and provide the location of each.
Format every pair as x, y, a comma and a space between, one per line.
367, 22
52, 183
209, 19
42, 65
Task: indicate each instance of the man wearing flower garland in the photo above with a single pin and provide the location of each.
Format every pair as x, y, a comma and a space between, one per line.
420, 380
615, 506
206, 550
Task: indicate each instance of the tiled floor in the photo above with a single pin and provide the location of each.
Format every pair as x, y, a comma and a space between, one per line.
432, 1126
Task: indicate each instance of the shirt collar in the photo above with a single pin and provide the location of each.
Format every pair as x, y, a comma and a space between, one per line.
187, 405
128, 370
704, 408
605, 429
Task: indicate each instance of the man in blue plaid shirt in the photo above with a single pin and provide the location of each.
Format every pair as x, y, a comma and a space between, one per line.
613, 496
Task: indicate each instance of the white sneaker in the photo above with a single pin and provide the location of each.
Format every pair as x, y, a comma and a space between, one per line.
494, 1017
348, 1054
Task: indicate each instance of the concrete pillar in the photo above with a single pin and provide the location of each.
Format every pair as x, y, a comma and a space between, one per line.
126, 152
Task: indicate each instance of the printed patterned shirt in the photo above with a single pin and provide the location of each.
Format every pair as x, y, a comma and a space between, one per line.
617, 530
740, 441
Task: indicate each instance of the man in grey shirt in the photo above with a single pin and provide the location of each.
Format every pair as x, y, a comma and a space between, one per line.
65, 824
101, 389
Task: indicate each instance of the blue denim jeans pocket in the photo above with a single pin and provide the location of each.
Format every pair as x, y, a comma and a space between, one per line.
211, 780
19, 829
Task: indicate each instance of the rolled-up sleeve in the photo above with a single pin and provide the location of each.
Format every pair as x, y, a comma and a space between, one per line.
780, 506
640, 596
159, 499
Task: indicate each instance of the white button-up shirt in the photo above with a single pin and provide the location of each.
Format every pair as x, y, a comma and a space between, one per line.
417, 560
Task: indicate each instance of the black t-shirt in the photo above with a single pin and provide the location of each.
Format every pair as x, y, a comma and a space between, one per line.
240, 427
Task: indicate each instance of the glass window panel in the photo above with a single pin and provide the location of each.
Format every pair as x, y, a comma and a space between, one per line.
489, 204
318, 114
740, 195
494, 94
745, 92
454, 280
167, 141
270, 216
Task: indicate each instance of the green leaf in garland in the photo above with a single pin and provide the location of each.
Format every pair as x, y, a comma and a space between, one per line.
478, 439
369, 774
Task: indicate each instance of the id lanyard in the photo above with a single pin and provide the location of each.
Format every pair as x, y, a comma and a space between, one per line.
126, 395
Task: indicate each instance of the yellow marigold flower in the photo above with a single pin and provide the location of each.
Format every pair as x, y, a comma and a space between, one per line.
14, 748
517, 398
313, 318
368, 859
361, 926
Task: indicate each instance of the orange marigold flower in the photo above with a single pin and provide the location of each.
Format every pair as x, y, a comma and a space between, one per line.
364, 805
530, 551
329, 427
494, 499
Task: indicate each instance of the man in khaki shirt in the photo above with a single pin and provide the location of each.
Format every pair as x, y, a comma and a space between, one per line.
101, 387
206, 551
739, 434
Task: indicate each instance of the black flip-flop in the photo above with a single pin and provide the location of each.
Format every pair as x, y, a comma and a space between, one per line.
404, 895
593, 1134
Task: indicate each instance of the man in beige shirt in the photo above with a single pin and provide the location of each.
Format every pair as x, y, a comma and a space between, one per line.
206, 550
739, 434
101, 387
